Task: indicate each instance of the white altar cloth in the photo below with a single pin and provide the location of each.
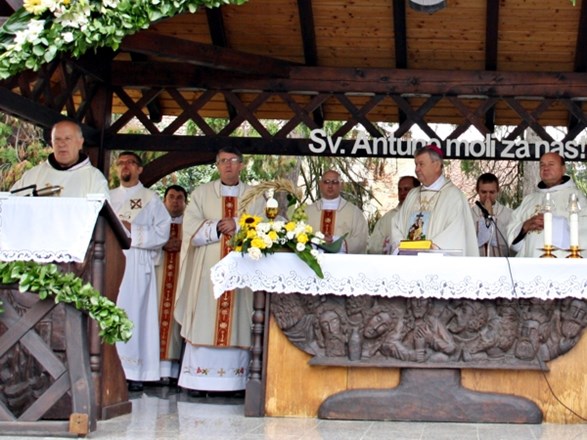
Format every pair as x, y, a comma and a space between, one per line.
47, 229
431, 276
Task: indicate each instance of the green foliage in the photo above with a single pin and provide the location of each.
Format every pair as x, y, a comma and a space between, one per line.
48, 281
37, 35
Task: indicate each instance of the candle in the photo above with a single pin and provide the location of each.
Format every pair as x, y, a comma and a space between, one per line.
574, 225
547, 229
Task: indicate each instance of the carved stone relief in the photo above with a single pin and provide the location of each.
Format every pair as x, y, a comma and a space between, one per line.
421, 332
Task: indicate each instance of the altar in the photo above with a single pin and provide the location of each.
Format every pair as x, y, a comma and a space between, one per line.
498, 327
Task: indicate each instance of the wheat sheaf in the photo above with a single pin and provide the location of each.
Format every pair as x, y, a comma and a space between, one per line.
279, 185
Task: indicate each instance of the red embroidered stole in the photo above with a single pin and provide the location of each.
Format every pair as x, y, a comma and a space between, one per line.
225, 304
170, 271
328, 221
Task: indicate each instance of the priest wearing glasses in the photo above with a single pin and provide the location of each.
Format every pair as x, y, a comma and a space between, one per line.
436, 211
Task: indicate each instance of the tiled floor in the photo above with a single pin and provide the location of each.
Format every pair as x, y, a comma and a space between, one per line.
163, 414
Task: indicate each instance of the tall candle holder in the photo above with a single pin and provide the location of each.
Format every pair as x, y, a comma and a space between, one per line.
574, 209
548, 248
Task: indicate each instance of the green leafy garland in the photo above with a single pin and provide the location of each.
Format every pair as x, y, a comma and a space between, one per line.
47, 280
43, 29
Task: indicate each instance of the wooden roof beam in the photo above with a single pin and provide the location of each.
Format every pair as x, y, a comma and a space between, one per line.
346, 80
491, 49
306, 14
580, 58
200, 54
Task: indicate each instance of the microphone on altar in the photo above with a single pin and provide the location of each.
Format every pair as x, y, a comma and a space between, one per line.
490, 219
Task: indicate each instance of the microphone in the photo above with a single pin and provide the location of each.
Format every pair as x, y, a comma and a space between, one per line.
483, 209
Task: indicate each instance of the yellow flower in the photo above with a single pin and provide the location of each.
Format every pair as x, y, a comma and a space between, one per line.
238, 249
249, 221
309, 229
251, 233
302, 238
273, 235
258, 243
290, 226
35, 7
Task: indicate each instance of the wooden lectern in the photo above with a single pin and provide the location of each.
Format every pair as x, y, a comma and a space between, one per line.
56, 376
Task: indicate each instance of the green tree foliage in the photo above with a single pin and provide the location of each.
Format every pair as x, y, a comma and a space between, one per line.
21, 148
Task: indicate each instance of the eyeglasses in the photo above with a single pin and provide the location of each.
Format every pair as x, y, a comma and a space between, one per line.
121, 163
232, 161
328, 182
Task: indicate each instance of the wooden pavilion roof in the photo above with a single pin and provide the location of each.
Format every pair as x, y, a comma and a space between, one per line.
474, 63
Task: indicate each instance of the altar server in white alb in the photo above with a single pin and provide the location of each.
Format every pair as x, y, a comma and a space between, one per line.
217, 333
145, 217
334, 216
437, 210
67, 167
526, 230
380, 238
491, 221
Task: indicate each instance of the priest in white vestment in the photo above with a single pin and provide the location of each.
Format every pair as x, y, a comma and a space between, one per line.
147, 221
67, 167
380, 238
334, 216
174, 199
217, 333
437, 211
492, 221
526, 230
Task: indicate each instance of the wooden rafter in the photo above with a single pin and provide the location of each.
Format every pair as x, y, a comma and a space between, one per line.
306, 14
201, 54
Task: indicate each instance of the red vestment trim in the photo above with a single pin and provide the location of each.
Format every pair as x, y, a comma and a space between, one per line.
170, 270
328, 221
225, 304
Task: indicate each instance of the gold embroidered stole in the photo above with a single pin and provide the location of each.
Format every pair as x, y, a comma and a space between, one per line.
225, 304
328, 221
170, 271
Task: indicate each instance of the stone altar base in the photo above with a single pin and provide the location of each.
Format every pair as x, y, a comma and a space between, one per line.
430, 395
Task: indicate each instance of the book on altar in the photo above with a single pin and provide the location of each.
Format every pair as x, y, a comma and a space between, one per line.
417, 247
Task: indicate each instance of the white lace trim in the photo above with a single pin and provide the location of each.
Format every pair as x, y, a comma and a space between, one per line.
407, 276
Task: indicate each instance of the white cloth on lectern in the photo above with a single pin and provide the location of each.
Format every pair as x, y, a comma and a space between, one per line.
51, 237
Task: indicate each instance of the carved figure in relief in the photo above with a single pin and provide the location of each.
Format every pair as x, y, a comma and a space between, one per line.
467, 324
384, 331
429, 337
298, 325
332, 337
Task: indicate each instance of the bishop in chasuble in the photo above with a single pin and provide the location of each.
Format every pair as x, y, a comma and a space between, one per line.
334, 216
217, 332
436, 211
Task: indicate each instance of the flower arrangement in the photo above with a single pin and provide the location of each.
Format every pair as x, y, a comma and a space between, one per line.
42, 29
257, 236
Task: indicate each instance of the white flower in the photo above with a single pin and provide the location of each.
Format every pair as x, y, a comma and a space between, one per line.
254, 253
263, 228
291, 235
319, 234
278, 225
300, 247
316, 240
314, 253
30, 34
110, 3
68, 37
267, 240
